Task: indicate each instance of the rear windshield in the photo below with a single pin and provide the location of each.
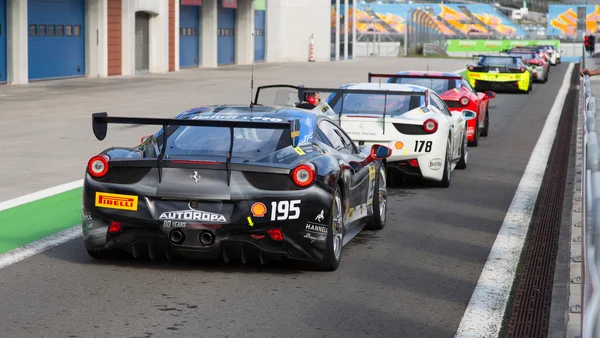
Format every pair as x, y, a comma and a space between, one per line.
498, 61
248, 143
524, 56
360, 104
437, 85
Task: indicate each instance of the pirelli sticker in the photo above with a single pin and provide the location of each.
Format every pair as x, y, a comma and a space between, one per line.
116, 201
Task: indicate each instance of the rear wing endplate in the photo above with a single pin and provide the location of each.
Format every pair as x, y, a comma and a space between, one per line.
101, 120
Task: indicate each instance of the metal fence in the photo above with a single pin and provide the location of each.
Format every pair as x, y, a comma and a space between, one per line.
590, 295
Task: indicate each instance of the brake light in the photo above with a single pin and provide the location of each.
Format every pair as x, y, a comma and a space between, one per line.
430, 126
471, 68
464, 101
522, 69
114, 227
413, 163
275, 234
304, 175
98, 166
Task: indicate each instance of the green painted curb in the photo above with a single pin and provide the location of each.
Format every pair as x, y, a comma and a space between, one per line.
30, 222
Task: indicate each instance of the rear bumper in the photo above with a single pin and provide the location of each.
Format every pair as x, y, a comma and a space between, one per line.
483, 85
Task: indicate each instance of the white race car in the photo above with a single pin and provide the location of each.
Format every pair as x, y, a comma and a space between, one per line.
427, 139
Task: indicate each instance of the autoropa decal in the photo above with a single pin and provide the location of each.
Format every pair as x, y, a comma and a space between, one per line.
192, 215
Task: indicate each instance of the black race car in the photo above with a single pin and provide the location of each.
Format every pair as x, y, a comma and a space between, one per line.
249, 182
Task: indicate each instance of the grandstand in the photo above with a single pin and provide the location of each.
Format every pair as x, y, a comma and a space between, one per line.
562, 20
451, 20
533, 5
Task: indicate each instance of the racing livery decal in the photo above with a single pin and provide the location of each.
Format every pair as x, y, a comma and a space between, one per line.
258, 209
116, 201
192, 215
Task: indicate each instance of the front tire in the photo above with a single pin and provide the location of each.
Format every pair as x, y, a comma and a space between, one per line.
335, 238
377, 221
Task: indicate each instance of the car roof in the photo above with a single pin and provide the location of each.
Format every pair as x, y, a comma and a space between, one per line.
386, 86
428, 74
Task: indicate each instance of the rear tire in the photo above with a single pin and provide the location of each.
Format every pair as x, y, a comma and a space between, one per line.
486, 123
335, 239
447, 175
377, 221
464, 155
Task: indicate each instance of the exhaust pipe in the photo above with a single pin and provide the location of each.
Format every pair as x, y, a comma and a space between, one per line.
206, 238
177, 236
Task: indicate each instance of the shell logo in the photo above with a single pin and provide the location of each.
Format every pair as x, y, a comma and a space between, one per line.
258, 209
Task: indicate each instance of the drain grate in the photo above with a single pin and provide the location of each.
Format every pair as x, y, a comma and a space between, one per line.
530, 313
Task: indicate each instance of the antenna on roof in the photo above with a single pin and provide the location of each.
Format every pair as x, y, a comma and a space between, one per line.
251, 80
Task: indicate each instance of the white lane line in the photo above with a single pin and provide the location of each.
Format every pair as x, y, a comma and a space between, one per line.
484, 314
34, 248
40, 194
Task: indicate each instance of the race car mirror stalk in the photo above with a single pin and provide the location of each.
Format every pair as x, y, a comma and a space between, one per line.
490, 94
378, 152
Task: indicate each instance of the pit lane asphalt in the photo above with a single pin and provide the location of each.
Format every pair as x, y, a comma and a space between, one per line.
412, 279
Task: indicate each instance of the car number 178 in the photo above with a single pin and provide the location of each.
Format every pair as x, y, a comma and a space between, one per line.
421, 146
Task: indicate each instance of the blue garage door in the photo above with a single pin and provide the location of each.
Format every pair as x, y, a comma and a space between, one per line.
56, 41
226, 35
189, 34
2, 41
259, 35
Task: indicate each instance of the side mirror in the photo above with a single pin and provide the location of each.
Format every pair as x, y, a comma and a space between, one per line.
380, 152
469, 114
144, 138
490, 94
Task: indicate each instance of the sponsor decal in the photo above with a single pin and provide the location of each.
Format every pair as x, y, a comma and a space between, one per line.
250, 223
470, 131
320, 216
299, 151
258, 209
312, 238
435, 164
317, 228
116, 201
236, 117
372, 172
192, 215
174, 224
424, 109
86, 217
285, 152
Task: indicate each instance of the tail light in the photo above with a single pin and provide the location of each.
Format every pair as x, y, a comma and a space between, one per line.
430, 126
464, 101
114, 227
522, 69
413, 163
275, 234
304, 175
98, 166
540, 63
471, 68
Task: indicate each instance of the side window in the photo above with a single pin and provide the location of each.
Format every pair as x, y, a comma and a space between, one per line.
435, 104
440, 103
467, 85
328, 130
348, 144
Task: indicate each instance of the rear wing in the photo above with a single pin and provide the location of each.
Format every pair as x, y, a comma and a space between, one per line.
101, 120
407, 76
302, 90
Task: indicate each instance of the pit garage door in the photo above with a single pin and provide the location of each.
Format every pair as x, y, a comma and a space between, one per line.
259, 35
56, 41
226, 35
2, 41
189, 36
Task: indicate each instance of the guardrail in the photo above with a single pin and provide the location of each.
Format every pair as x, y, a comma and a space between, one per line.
590, 233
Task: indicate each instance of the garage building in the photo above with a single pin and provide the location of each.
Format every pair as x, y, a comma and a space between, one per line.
56, 39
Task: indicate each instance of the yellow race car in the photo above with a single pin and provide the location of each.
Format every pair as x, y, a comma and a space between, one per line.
499, 72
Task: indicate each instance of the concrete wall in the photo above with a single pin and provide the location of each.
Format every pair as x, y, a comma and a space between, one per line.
289, 25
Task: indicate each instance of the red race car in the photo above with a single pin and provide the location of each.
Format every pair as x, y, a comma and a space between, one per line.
456, 92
